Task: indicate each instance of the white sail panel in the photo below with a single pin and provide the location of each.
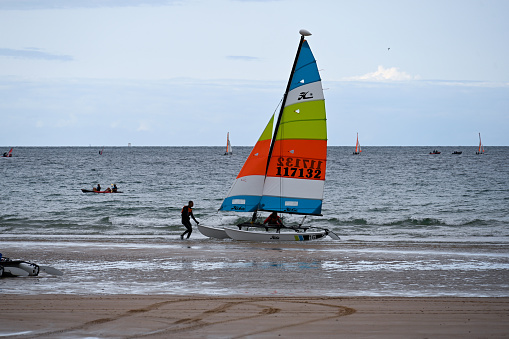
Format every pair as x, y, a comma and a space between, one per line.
294, 188
309, 92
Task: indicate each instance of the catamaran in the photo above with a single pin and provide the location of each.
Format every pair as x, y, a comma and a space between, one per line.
285, 171
481, 147
358, 149
229, 150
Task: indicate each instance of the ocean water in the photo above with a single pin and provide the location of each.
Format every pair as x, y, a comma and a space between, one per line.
411, 224
384, 193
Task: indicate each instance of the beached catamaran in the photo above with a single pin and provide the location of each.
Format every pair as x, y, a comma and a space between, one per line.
285, 171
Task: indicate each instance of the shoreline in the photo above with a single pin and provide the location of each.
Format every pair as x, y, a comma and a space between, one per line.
161, 316
227, 268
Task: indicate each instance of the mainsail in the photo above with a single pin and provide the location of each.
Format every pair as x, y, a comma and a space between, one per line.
229, 150
285, 172
481, 147
358, 149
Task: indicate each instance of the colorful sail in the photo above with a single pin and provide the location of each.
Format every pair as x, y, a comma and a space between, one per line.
285, 172
246, 191
481, 147
229, 150
358, 149
296, 170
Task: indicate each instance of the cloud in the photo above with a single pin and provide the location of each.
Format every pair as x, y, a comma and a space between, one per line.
144, 126
384, 74
66, 4
32, 53
242, 57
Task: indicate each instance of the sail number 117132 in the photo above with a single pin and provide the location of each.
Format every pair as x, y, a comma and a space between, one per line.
299, 168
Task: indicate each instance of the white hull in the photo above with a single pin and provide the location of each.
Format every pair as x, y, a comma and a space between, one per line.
211, 232
272, 236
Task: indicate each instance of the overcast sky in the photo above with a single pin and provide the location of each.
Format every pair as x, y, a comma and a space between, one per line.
165, 72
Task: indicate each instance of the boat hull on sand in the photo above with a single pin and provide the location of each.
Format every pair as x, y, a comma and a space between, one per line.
18, 268
272, 236
212, 232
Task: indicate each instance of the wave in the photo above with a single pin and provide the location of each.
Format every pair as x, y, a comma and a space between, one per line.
414, 222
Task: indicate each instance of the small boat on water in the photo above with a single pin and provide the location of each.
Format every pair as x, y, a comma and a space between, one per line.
97, 189
480, 151
93, 191
229, 150
457, 152
435, 152
8, 154
21, 268
285, 171
358, 149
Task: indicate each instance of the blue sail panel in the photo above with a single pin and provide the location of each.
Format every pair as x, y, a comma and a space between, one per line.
306, 70
291, 205
240, 203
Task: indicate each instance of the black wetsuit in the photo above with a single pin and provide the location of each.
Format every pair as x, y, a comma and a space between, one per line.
187, 212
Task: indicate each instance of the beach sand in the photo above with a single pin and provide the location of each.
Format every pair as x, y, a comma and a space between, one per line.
213, 289
160, 316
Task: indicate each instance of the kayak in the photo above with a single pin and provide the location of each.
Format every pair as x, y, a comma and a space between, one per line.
92, 191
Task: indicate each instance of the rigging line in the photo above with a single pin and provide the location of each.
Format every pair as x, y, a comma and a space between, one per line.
257, 208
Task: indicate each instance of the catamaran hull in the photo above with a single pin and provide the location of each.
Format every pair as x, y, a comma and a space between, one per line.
271, 236
19, 268
211, 232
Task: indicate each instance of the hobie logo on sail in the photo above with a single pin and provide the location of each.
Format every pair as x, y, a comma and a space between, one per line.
303, 95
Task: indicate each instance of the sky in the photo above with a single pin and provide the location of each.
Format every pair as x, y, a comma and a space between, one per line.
184, 73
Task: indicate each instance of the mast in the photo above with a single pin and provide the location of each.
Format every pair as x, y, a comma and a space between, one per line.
303, 34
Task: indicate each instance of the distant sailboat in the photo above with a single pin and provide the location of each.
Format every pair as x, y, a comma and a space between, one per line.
285, 171
358, 149
101, 151
481, 147
8, 154
229, 150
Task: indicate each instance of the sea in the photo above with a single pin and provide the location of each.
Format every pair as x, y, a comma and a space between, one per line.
440, 222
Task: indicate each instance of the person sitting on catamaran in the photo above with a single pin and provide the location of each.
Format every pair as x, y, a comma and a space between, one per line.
114, 190
273, 220
98, 188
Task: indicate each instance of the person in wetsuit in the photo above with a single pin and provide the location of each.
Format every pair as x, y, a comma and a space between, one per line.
273, 220
187, 213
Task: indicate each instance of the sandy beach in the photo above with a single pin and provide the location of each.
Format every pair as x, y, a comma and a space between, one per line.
199, 288
135, 316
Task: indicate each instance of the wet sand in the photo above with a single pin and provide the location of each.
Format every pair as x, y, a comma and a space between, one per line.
215, 289
136, 316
